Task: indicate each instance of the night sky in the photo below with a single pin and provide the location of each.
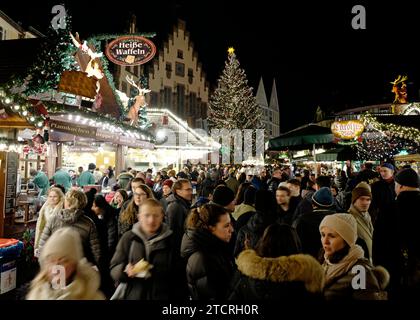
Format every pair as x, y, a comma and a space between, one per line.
309, 47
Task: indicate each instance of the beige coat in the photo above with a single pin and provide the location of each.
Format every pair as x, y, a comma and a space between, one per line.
241, 209
85, 286
364, 228
45, 214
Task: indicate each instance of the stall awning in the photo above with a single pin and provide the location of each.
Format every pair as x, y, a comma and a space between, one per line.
408, 157
302, 138
337, 154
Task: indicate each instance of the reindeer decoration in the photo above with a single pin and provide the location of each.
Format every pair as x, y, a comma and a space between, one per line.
399, 88
92, 68
139, 102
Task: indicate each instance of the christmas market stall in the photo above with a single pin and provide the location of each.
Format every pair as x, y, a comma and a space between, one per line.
61, 93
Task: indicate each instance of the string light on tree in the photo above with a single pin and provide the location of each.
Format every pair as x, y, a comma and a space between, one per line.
233, 105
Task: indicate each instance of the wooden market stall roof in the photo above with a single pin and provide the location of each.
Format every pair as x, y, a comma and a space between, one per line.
109, 101
17, 56
14, 121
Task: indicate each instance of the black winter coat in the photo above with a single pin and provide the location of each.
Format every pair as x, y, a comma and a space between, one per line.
408, 204
83, 225
253, 230
384, 218
108, 238
383, 198
175, 216
296, 277
273, 184
210, 266
307, 228
158, 251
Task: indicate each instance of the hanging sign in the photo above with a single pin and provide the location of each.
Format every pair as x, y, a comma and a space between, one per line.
347, 130
130, 50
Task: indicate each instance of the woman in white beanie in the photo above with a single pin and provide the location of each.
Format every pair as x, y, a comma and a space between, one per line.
53, 206
348, 274
65, 274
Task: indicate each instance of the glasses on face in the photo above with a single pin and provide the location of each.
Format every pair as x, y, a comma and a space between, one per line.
189, 189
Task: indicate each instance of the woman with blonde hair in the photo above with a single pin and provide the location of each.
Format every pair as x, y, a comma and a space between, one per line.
128, 217
65, 274
52, 207
73, 216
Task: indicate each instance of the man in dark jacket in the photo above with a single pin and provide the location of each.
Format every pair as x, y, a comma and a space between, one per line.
149, 240
384, 217
179, 204
407, 188
307, 225
274, 182
305, 205
367, 174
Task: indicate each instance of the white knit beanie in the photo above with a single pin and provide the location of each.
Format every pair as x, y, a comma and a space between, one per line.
342, 223
63, 243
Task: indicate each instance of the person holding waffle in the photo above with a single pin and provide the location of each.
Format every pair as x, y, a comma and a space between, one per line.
144, 258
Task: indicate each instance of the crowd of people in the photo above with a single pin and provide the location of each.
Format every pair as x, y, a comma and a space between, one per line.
214, 233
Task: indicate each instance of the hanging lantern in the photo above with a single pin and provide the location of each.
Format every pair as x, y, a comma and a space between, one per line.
46, 130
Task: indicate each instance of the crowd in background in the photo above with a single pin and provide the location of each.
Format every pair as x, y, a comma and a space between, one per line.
226, 232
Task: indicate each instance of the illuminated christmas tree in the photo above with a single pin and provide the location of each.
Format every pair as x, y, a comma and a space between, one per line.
233, 106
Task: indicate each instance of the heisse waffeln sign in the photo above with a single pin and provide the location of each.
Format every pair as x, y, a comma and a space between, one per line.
130, 50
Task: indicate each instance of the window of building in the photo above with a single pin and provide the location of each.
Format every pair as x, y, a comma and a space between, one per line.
128, 68
136, 70
168, 70
180, 54
154, 99
179, 69
193, 104
2, 34
180, 90
167, 97
190, 75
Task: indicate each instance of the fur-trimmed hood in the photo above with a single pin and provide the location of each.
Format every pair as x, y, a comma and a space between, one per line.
382, 275
297, 267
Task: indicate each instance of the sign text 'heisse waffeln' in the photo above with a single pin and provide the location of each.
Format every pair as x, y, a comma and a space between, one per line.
130, 50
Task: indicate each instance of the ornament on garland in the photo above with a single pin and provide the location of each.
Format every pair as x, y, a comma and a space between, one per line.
47, 130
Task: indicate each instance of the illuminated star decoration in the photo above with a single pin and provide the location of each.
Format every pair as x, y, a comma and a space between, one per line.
231, 50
